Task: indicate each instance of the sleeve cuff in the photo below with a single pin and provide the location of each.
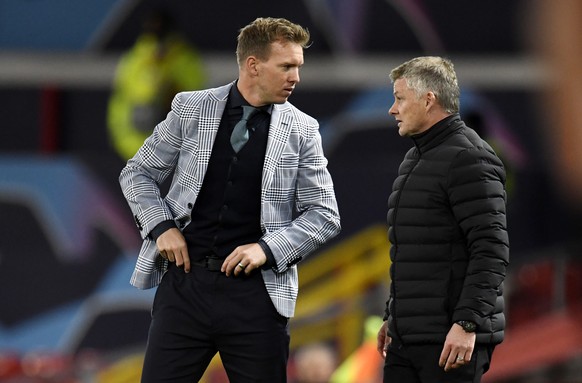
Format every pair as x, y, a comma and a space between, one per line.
270, 258
161, 228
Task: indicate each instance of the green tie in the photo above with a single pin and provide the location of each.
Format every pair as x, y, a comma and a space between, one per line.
240, 133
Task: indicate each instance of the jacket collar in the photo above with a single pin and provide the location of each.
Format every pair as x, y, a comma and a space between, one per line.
437, 133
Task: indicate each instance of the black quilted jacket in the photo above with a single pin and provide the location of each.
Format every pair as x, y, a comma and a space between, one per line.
447, 227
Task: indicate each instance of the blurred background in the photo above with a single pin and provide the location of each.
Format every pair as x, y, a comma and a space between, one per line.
83, 82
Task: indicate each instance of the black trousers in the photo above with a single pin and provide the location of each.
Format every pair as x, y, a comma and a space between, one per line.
420, 364
198, 314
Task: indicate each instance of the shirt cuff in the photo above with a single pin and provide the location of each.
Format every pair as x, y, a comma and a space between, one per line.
161, 228
270, 258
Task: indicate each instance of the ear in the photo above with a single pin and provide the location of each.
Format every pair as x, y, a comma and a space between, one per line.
251, 64
430, 99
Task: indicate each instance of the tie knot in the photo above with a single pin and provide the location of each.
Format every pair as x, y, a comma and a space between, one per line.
248, 112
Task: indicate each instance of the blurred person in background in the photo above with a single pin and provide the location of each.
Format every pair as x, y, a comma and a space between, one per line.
224, 243
160, 64
555, 29
314, 363
448, 231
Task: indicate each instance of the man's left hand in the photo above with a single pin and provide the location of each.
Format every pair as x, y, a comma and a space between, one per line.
458, 348
244, 259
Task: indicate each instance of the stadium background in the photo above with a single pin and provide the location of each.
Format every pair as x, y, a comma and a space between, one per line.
67, 241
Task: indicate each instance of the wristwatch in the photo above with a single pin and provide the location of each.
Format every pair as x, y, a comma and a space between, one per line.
467, 325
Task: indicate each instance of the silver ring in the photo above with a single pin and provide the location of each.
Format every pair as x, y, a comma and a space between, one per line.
241, 265
460, 359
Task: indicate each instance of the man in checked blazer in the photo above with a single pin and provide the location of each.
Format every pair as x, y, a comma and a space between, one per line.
223, 243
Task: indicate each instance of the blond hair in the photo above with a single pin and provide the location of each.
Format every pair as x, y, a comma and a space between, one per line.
255, 39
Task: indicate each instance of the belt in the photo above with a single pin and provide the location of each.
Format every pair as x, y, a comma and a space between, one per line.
209, 263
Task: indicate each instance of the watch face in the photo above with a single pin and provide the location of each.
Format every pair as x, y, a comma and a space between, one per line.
468, 326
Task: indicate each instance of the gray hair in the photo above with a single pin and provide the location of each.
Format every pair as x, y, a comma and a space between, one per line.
431, 74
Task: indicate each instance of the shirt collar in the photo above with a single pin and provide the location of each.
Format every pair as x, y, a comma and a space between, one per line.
236, 100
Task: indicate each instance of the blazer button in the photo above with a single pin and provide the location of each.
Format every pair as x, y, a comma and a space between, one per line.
190, 206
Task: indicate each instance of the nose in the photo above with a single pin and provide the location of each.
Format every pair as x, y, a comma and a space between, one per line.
294, 76
392, 110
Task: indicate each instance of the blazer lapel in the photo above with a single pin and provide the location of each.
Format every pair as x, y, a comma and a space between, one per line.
279, 130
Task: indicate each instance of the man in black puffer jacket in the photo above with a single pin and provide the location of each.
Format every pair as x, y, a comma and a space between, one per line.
448, 231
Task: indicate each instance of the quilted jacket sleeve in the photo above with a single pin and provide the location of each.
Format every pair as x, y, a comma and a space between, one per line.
476, 187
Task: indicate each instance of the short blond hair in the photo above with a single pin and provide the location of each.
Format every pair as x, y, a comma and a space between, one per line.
255, 39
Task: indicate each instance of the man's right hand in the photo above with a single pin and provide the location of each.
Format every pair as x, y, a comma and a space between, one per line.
172, 246
383, 340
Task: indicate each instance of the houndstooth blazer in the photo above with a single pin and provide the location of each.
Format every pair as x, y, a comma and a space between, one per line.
298, 207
